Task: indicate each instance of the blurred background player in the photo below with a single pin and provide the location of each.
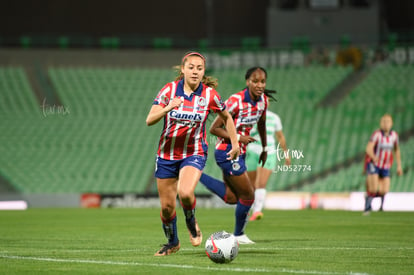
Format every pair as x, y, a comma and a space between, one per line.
380, 151
259, 175
247, 107
184, 104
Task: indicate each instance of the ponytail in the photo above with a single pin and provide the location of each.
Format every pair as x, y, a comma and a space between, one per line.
269, 94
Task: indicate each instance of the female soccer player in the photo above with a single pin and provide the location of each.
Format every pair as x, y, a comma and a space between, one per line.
247, 107
184, 104
380, 149
258, 175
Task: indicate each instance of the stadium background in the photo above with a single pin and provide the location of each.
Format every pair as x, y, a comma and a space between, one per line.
77, 79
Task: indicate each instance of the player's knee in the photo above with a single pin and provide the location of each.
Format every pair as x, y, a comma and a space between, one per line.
247, 194
186, 196
167, 211
230, 197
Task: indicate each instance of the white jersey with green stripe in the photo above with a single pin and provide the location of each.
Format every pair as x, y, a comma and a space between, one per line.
273, 125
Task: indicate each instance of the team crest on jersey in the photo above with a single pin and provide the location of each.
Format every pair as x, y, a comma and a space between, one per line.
201, 101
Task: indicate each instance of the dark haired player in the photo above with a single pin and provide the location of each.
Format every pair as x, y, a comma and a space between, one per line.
247, 107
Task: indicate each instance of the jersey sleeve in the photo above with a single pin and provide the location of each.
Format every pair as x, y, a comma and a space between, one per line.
232, 105
397, 141
216, 104
375, 137
163, 96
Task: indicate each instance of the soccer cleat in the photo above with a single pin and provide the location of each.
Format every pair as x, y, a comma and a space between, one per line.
256, 216
366, 213
243, 239
196, 237
168, 249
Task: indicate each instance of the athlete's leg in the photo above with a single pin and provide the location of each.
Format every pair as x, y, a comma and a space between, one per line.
219, 188
252, 161
244, 191
167, 191
187, 182
252, 177
262, 178
372, 183
384, 188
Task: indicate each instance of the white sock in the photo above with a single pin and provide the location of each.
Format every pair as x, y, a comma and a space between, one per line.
259, 199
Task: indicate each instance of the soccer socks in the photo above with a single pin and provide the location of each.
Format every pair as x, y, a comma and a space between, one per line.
216, 186
382, 202
189, 212
242, 210
259, 199
368, 201
170, 229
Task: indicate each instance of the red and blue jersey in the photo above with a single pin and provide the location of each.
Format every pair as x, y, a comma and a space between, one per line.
383, 148
184, 132
245, 112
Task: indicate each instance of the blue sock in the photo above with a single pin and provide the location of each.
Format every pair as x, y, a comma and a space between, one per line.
216, 186
242, 210
368, 201
189, 213
170, 230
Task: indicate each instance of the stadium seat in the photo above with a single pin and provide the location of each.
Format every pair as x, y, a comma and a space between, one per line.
162, 43
104, 145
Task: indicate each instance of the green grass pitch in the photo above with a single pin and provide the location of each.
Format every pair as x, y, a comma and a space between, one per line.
123, 241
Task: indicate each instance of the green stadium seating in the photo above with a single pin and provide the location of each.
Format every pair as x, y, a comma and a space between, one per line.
102, 144
352, 178
387, 89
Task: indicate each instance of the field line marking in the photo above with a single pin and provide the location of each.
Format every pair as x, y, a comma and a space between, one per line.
80, 261
242, 249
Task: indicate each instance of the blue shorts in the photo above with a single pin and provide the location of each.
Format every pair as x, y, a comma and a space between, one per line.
230, 167
373, 169
166, 169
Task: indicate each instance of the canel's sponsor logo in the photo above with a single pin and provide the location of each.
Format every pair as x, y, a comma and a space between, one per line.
186, 116
249, 120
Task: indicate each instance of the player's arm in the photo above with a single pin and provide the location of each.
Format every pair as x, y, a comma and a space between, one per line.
217, 129
261, 128
397, 153
370, 151
157, 112
280, 137
230, 132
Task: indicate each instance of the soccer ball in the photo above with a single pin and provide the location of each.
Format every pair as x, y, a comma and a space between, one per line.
222, 247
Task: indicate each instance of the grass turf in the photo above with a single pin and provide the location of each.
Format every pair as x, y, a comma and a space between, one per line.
123, 241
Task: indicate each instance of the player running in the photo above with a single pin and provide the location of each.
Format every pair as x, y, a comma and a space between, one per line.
184, 104
247, 107
380, 150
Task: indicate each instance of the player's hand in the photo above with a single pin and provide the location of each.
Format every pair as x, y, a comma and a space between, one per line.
233, 153
246, 139
263, 158
174, 103
399, 171
287, 161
